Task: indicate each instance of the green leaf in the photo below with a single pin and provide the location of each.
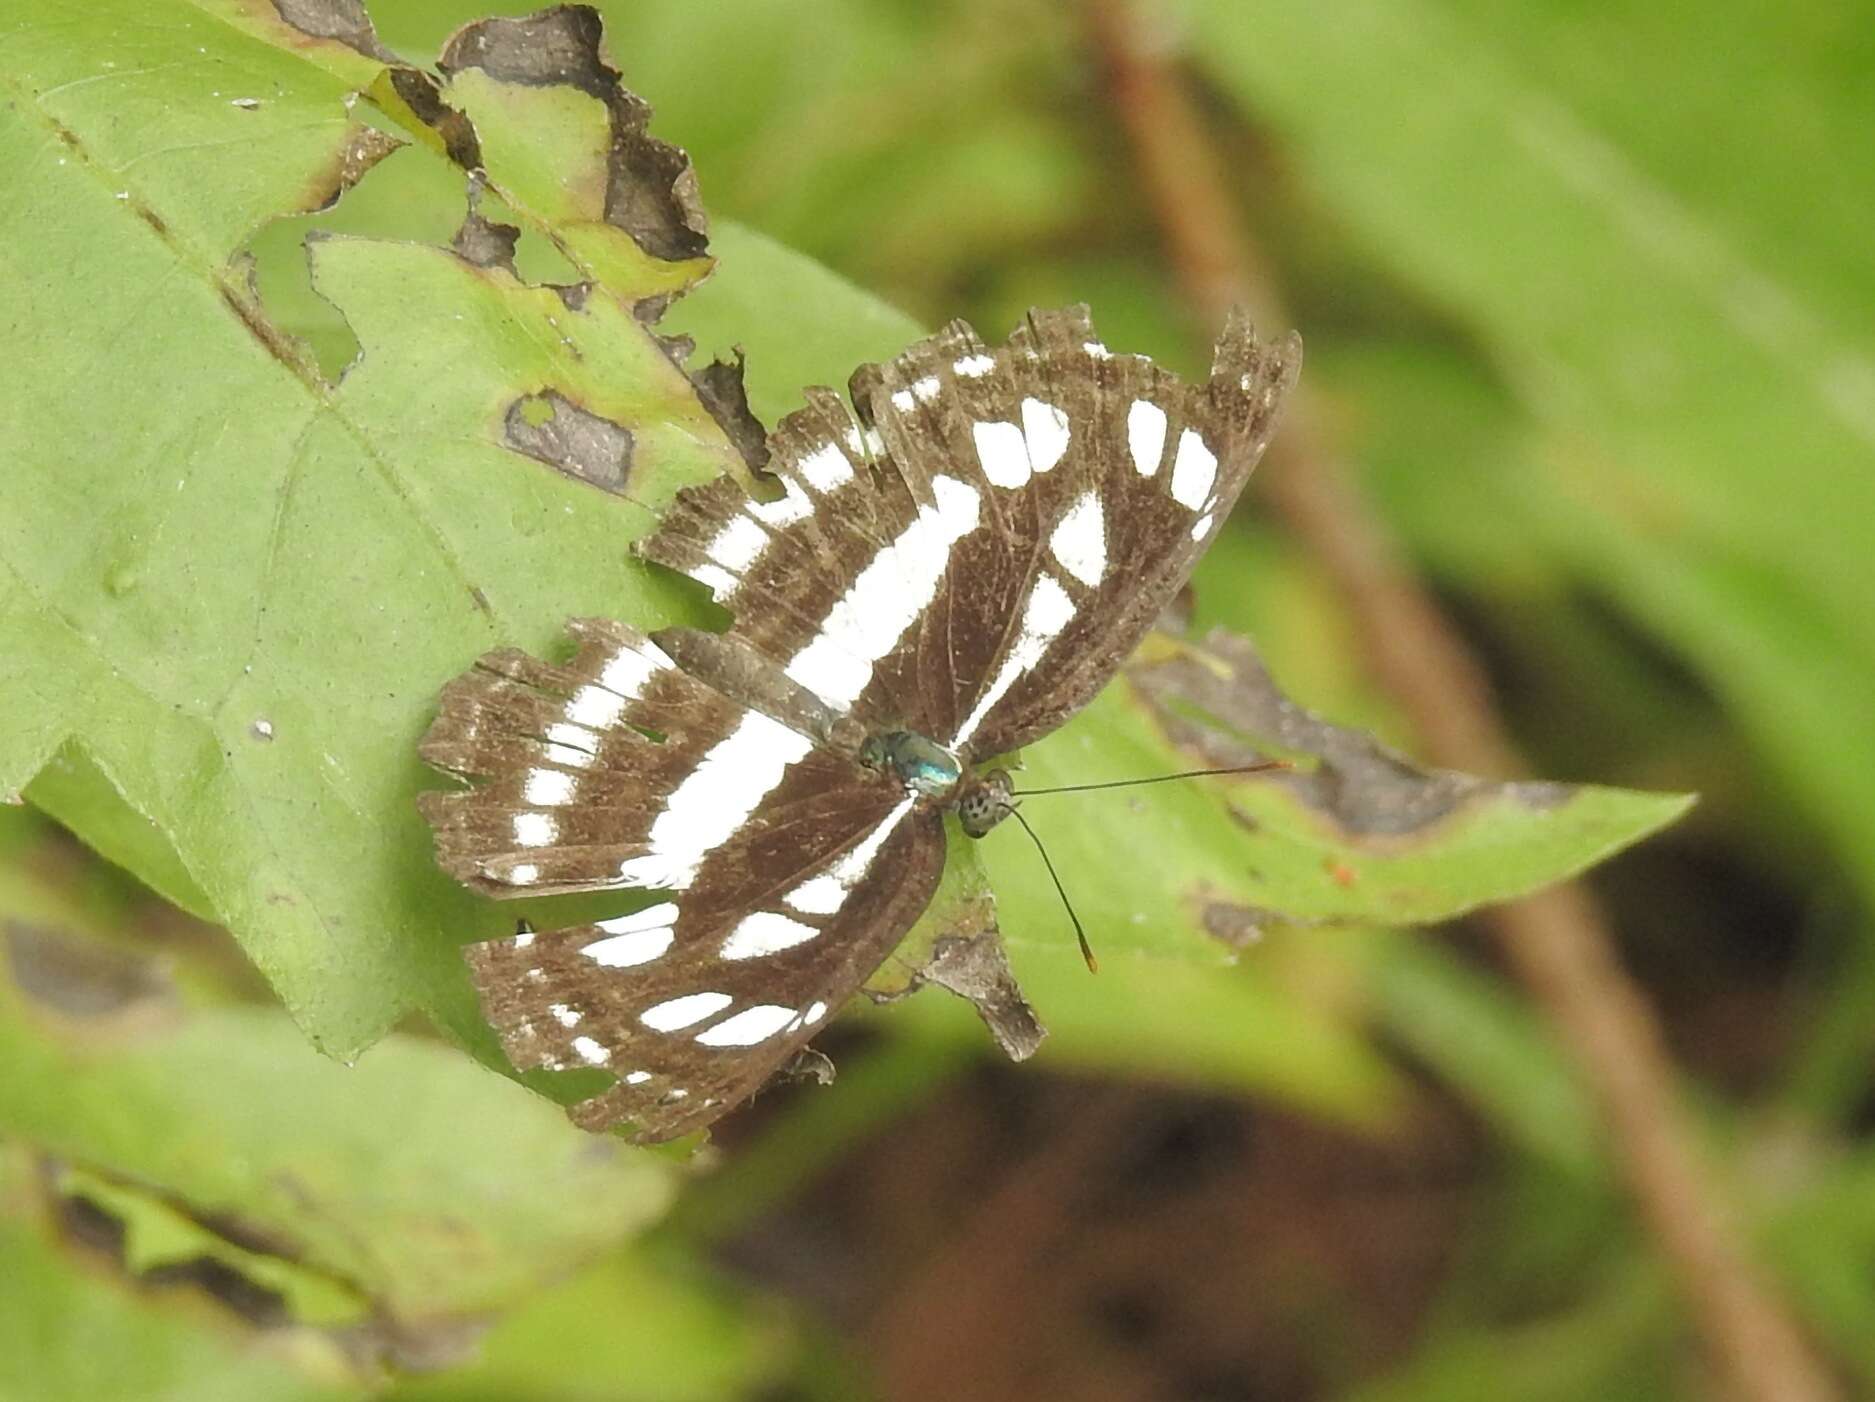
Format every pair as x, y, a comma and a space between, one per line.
647, 1329
167, 1104
71, 1333
1354, 834
254, 689
252, 692
1689, 335
159, 1235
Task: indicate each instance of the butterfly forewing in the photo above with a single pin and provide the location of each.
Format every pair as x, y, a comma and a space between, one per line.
1104, 478
997, 531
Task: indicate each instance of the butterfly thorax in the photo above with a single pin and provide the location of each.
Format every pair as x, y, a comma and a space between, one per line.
925, 767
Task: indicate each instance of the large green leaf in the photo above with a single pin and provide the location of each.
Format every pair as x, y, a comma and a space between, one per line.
284, 1162
69, 1332
235, 587
1656, 239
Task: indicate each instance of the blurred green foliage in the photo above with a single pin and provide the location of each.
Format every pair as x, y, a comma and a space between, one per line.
1586, 296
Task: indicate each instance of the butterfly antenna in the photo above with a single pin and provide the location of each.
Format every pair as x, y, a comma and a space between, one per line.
1259, 767
1087, 952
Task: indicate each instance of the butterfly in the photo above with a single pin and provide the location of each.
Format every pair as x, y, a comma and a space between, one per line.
940, 576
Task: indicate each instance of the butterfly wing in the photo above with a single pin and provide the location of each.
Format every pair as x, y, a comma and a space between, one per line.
975, 555
1103, 480
827, 580
787, 873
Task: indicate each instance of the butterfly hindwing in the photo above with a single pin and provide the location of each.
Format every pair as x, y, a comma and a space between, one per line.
786, 874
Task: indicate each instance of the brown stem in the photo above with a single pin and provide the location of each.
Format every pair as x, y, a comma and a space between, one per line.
1558, 941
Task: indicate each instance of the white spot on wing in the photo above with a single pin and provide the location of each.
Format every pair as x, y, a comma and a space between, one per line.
746, 1028
525, 874
975, 366
1079, 540
628, 951
926, 388
637, 1078
675, 1014
720, 582
739, 544
899, 583
571, 744
714, 800
902, 400
815, 1012
1145, 435
567, 755
652, 917
1202, 526
826, 469
826, 893
535, 830
853, 865
765, 932
595, 707
548, 787
1096, 350
523, 939
1194, 471
1047, 612
794, 506
1046, 429
563, 1015
1003, 452
634, 939
823, 895
627, 671
591, 1052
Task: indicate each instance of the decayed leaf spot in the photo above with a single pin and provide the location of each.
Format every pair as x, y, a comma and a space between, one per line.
808, 1065
484, 242
552, 429
1235, 925
419, 92
957, 946
343, 20
976, 969
364, 147
719, 386
1211, 701
80, 979
651, 191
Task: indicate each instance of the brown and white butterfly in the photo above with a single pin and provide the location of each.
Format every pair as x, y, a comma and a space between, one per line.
946, 574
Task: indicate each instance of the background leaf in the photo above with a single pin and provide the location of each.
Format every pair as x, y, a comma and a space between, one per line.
1580, 289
